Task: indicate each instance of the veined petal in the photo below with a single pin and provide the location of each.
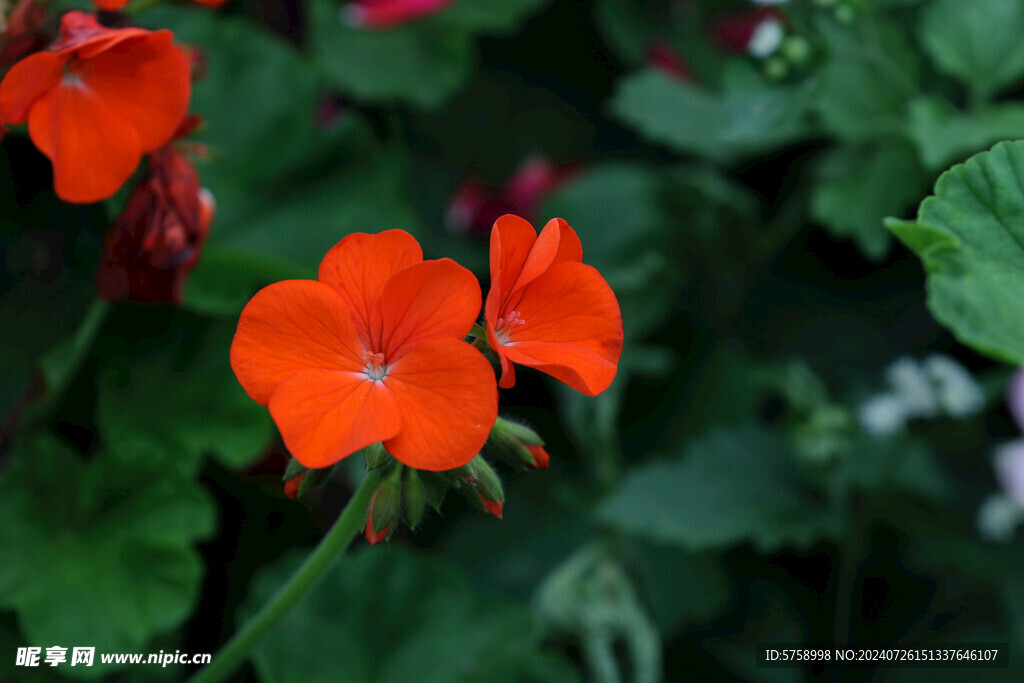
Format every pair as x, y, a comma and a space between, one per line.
571, 329
292, 326
83, 35
26, 82
92, 147
428, 300
360, 265
326, 415
512, 238
148, 80
557, 243
448, 401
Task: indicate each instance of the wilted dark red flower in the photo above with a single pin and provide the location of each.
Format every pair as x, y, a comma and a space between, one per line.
156, 240
22, 36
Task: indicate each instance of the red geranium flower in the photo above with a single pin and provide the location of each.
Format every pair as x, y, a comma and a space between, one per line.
96, 101
156, 240
549, 311
388, 13
370, 352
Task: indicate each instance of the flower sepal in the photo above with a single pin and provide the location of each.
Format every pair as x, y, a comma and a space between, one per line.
385, 509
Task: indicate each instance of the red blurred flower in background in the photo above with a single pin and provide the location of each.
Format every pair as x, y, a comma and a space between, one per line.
735, 31
388, 13
96, 101
476, 206
371, 352
549, 311
22, 35
665, 58
156, 240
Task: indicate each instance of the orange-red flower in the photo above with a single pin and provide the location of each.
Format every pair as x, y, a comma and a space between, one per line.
549, 311
156, 240
371, 352
96, 101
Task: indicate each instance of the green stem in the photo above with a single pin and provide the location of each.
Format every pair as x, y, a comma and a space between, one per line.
302, 581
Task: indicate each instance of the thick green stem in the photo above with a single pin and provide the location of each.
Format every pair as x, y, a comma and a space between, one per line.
308, 575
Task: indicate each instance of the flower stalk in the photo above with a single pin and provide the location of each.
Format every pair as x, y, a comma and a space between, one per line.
305, 579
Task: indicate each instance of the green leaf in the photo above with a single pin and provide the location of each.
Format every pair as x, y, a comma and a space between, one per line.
976, 42
870, 73
718, 125
700, 503
491, 15
423, 62
379, 615
181, 404
944, 135
901, 466
858, 187
970, 237
97, 553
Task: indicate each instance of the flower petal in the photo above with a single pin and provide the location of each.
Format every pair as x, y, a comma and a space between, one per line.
557, 243
572, 328
292, 326
93, 149
512, 238
148, 80
327, 415
429, 300
360, 265
26, 82
448, 401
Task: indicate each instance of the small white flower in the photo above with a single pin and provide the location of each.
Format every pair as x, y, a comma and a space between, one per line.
958, 392
766, 39
998, 518
909, 382
883, 415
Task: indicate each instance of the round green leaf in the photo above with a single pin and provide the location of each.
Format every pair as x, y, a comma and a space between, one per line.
970, 236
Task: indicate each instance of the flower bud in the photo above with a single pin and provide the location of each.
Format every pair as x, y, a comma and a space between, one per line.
385, 507
488, 486
492, 507
376, 456
314, 479
525, 443
415, 497
291, 486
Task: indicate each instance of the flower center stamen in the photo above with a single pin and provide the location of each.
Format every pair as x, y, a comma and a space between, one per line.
375, 367
503, 328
